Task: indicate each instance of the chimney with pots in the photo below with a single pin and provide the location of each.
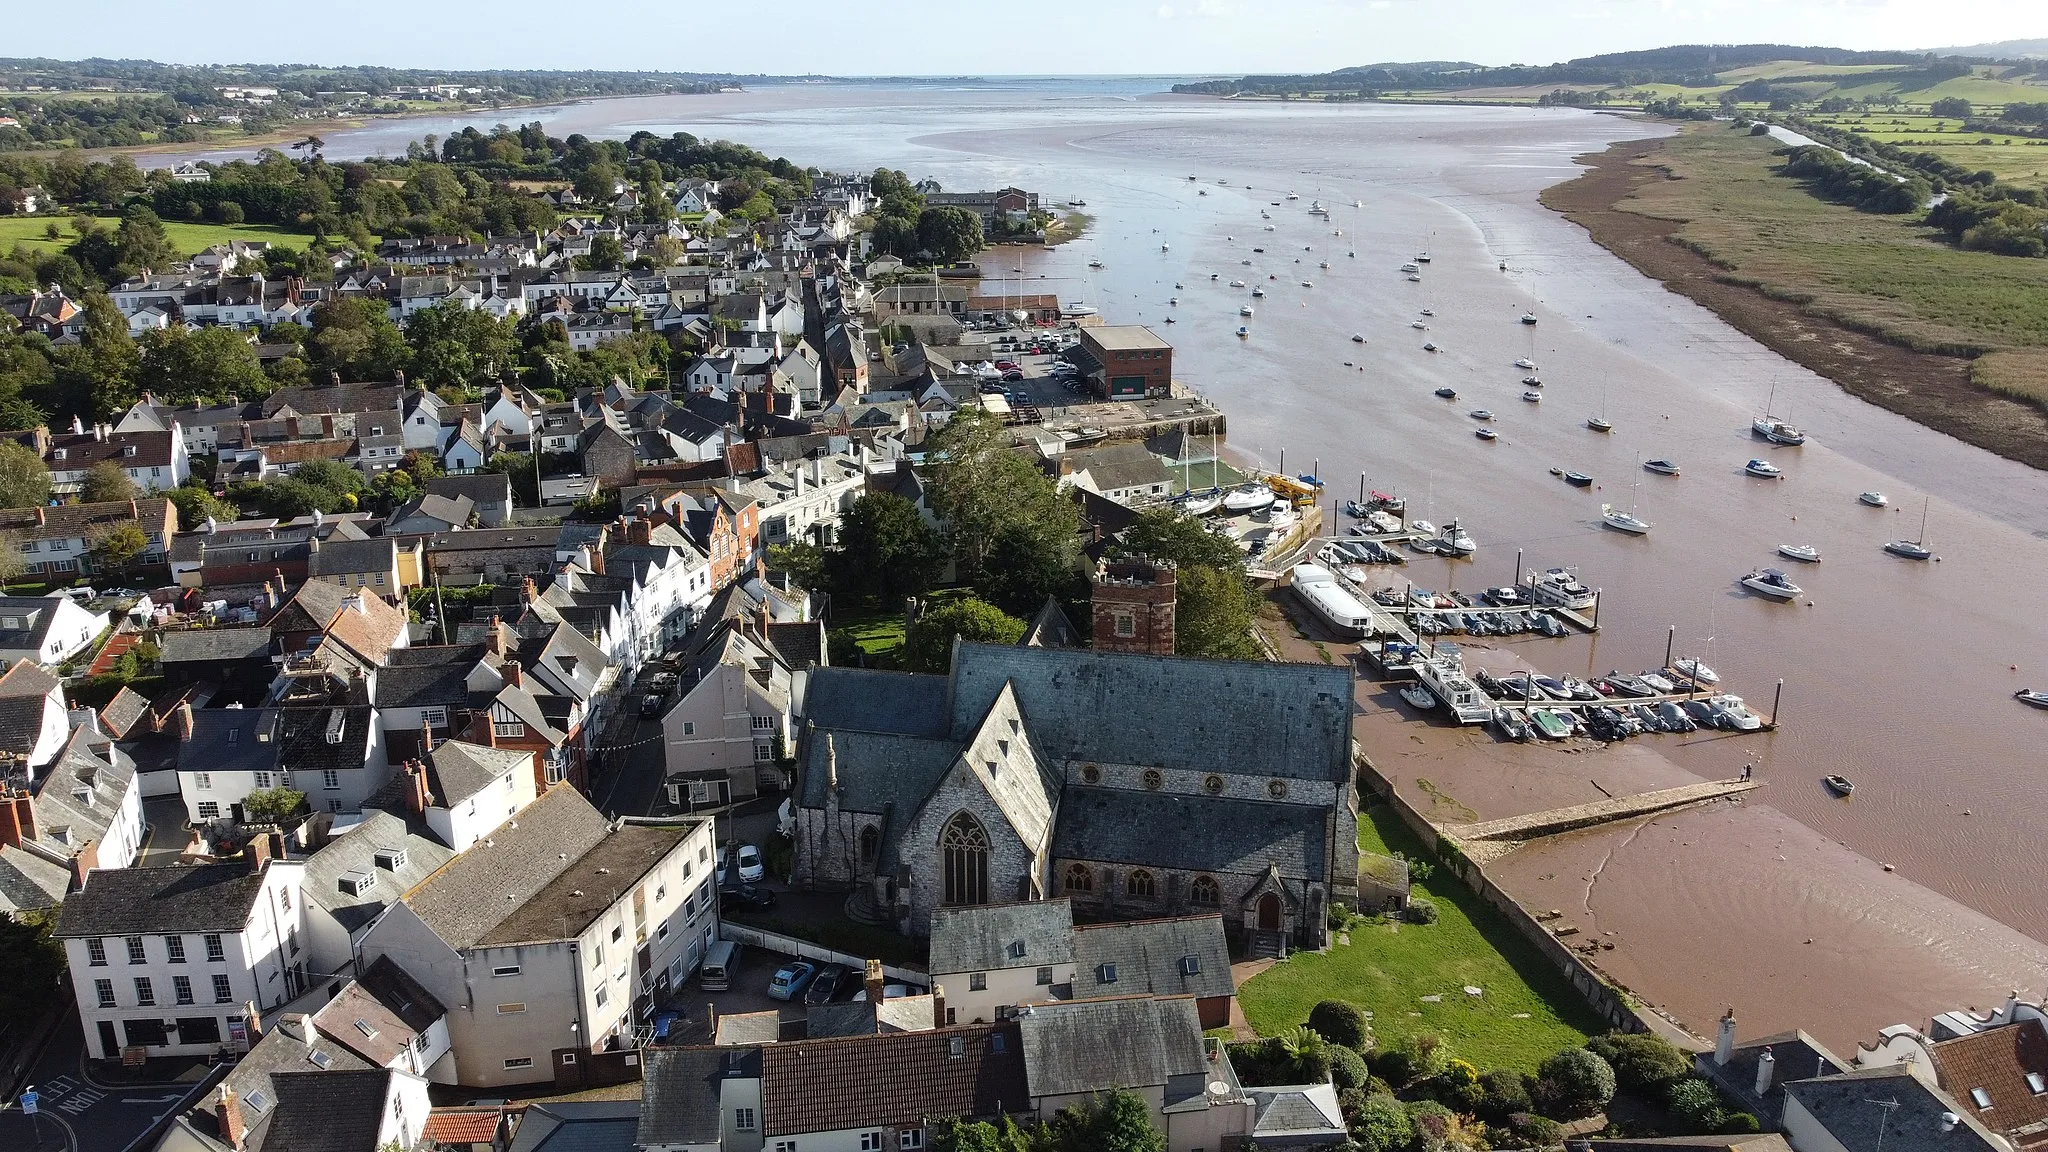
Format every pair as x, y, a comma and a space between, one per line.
939, 1006
40, 521
481, 730
227, 1116
875, 984
257, 853
255, 1019
185, 720
17, 820
528, 592
83, 862
514, 675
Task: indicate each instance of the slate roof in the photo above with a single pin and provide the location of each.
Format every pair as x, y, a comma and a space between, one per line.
1841, 1104
427, 677
21, 721
124, 712
581, 892
479, 487
152, 901
679, 1093
1051, 628
390, 1003
866, 700
468, 898
993, 937
1305, 1114
578, 1126
1235, 716
216, 645
450, 510
914, 766
853, 1018
1997, 1061
459, 769
28, 881
1153, 956
27, 679
284, 1049
331, 1111
355, 851
831, 1085
1122, 826
377, 554
1120, 464
1157, 1040
1798, 1056
90, 765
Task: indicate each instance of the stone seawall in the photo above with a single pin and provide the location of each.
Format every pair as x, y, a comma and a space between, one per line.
1608, 1000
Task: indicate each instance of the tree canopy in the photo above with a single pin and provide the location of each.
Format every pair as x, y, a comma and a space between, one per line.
929, 645
24, 478
885, 549
1215, 600
1009, 524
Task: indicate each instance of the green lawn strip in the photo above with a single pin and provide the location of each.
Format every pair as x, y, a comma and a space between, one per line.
1388, 968
878, 627
188, 238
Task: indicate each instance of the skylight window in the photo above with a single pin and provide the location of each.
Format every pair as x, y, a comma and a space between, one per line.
2036, 1083
1980, 1098
363, 1026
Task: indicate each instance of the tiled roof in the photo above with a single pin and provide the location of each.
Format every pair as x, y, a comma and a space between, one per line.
81, 450
1912, 1118
580, 893
1123, 826
460, 770
68, 521
477, 891
1157, 1039
27, 679
137, 901
377, 554
997, 936
680, 1094
865, 700
367, 626
124, 712
380, 1013
427, 677
331, 1111
1996, 1062
355, 851
462, 1125
21, 722
832, 1085
215, 645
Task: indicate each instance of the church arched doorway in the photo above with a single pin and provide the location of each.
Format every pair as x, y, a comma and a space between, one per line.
963, 848
1269, 913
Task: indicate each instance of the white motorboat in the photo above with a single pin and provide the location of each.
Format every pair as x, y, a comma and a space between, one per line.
1258, 293
1418, 325
1325, 263
1560, 588
1308, 284
1166, 247
1418, 697
1660, 466
1415, 279
1095, 263
1173, 302
1429, 311
1411, 266
1481, 414
1622, 521
1422, 527
1533, 397
1358, 337
1249, 498
1529, 318
1763, 468
1243, 332
1599, 424
1771, 582
1874, 499
1202, 503
1486, 434
2029, 696
1245, 311
1455, 541
1737, 713
1269, 227
1237, 283
1292, 196
1804, 553
1526, 364
1691, 668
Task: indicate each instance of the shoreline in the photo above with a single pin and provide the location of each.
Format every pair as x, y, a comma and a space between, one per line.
1936, 390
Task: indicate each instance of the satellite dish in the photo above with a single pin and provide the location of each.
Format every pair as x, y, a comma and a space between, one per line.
1218, 1088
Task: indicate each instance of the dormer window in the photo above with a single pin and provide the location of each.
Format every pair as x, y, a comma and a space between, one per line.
128, 450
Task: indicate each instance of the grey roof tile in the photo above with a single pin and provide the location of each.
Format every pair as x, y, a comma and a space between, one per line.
132, 901
998, 936
1154, 956
466, 900
1120, 826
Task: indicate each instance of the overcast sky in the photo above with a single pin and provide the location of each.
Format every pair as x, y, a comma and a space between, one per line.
957, 37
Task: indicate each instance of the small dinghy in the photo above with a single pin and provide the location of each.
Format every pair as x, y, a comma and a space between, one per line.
1358, 337
1529, 318
1874, 499
1486, 433
1660, 466
1418, 697
1533, 397
1804, 553
1839, 785
1526, 364
1481, 414
1447, 393
1599, 424
1692, 669
1578, 479
1431, 347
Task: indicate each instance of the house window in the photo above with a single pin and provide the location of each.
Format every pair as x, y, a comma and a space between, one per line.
330, 779
263, 779
434, 717
743, 1119
1105, 973
1205, 892
2036, 1083
223, 992
910, 1139
135, 953
689, 728
105, 990
181, 986
964, 845
785, 1146
96, 952
977, 982
764, 723
1981, 1099
1044, 978
871, 1142
1140, 886
145, 992
203, 781
1126, 624
763, 753
1079, 879
870, 843
509, 728
506, 970
600, 996
175, 946
209, 810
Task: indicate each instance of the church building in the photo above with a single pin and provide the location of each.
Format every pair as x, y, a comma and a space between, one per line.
1135, 785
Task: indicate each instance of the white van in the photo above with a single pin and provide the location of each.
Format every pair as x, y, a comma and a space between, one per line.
720, 961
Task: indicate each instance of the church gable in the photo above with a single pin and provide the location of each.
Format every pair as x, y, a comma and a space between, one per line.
1022, 786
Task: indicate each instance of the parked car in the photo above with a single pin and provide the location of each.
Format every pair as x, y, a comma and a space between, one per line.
1012, 376
745, 898
720, 871
650, 704
825, 985
1007, 365
751, 866
790, 980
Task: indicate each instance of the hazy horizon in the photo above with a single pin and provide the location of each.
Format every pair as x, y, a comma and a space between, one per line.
937, 39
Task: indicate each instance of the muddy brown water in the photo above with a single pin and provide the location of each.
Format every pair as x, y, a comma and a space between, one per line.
1897, 674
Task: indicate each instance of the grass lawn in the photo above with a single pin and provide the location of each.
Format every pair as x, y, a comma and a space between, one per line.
1526, 1013
878, 628
188, 239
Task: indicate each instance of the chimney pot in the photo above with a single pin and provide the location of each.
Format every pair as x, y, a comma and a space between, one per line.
514, 674
1724, 1043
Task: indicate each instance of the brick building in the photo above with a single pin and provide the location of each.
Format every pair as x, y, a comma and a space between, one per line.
1126, 362
1133, 607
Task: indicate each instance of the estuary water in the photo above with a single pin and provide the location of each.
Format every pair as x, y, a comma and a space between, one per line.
1895, 673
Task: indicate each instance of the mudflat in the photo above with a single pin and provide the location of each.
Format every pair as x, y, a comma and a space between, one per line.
1708, 218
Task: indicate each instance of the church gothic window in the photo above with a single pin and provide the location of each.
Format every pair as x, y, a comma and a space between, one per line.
1204, 891
1141, 886
964, 847
870, 843
1079, 879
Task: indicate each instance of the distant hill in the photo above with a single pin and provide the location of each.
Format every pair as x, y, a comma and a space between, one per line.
2002, 50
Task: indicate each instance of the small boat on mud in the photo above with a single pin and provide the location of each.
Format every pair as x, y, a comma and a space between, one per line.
1771, 582
1839, 785
1249, 498
1804, 553
2029, 696
1660, 466
1418, 697
1764, 468
1549, 725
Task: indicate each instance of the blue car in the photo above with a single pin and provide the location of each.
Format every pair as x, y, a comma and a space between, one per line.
790, 980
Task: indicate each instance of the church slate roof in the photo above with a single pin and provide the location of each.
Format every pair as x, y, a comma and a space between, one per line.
1064, 1054
1288, 720
865, 700
1120, 826
915, 766
1150, 956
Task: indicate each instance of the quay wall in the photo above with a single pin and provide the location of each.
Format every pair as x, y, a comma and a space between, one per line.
1610, 1002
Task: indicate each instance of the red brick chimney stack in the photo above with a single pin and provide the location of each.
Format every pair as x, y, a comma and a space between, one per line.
257, 853
227, 1115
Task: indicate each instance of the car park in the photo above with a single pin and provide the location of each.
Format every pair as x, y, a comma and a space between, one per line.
791, 979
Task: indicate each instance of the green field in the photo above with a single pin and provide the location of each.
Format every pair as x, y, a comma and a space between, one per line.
2015, 158
1526, 1010
186, 238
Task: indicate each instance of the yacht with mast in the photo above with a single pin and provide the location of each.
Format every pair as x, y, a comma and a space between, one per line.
1771, 428
1913, 549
